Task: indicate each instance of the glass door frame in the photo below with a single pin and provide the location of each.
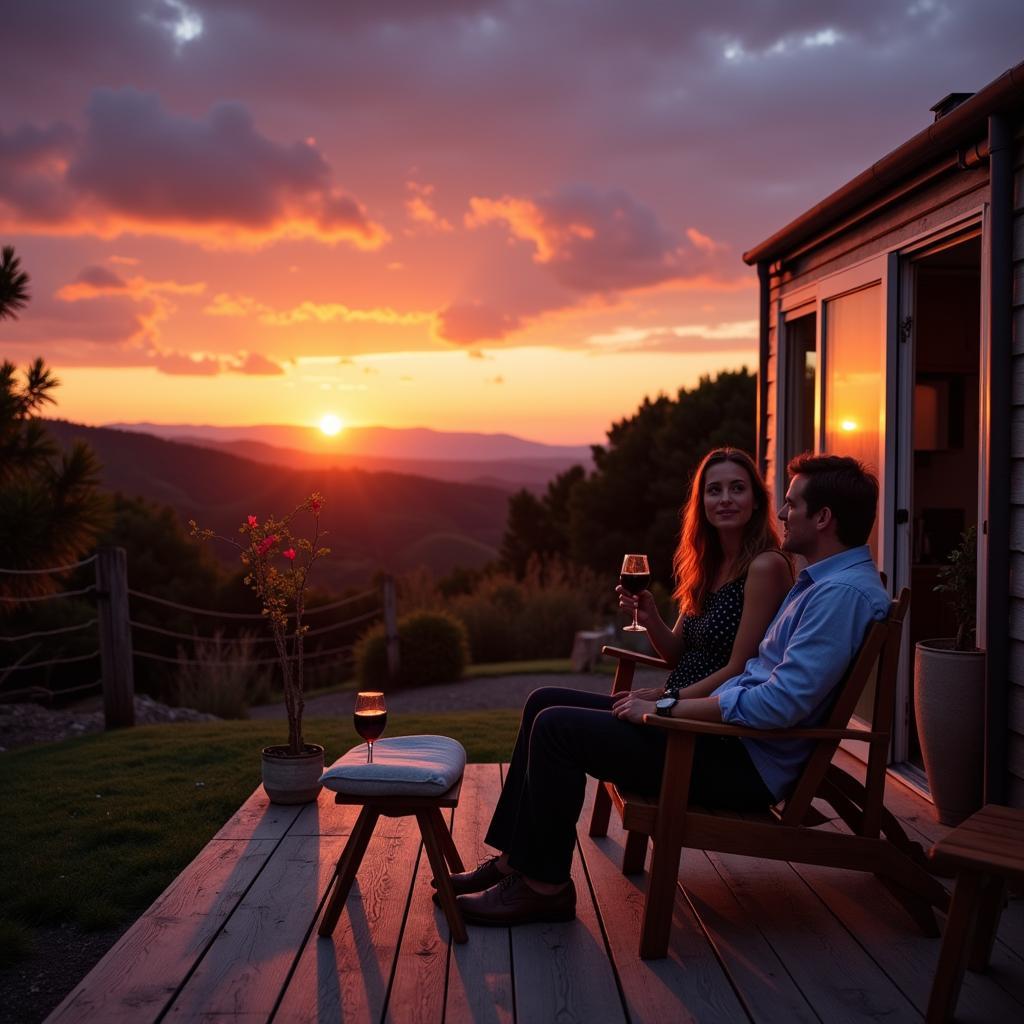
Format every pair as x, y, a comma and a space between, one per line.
954, 232
894, 271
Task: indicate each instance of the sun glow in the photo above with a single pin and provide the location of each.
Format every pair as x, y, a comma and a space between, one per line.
331, 425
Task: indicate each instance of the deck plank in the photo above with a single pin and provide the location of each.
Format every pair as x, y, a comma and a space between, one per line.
765, 986
421, 959
887, 933
689, 984
479, 973
751, 938
324, 817
346, 977
562, 971
136, 978
247, 963
841, 982
258, 818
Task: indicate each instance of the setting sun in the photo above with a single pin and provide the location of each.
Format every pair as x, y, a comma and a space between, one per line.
331, 425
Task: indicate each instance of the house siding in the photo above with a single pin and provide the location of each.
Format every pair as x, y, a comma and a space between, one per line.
1015, 690
931, 207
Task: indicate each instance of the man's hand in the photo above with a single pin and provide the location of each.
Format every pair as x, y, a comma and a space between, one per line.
649, 693
632, 707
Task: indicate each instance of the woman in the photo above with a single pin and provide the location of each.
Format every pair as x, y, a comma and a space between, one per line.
732, 578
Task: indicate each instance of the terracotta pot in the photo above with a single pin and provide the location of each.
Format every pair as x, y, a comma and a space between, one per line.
949, 704
293, 779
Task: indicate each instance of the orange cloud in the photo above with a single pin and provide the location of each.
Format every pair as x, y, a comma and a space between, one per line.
224, 304
595, 241
138, 168
255, 365
94, 281
180, 364
420, 209
469, 322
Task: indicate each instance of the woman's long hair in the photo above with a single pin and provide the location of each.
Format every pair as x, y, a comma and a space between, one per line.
699, 557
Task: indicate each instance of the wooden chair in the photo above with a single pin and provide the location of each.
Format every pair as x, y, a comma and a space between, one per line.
876, 842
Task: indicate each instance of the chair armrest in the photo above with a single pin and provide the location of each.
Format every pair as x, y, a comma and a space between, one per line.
635, 657
724, 729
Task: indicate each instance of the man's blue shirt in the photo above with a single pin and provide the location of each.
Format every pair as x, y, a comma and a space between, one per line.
810, 644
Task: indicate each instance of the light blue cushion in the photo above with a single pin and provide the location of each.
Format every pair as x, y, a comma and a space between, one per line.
402, 766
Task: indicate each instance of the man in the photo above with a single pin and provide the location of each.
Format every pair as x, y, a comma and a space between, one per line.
827, 518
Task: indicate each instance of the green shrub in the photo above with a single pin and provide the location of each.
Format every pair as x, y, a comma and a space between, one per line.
432, 648
509, 620
491, 629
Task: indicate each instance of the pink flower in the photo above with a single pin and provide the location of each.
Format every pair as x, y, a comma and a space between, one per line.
252, 522
289, 554
266, 544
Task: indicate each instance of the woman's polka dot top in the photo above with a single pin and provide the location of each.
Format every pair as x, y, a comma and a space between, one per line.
708, 637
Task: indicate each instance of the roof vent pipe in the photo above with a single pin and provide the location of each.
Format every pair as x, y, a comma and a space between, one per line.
950, 103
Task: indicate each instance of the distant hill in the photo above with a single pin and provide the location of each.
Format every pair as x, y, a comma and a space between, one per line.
376, 521
379, 442
508, 474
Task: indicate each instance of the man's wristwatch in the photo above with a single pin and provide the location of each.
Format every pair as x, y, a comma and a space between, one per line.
664, 705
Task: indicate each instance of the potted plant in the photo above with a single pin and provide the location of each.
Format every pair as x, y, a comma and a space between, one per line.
949, 694
277, 566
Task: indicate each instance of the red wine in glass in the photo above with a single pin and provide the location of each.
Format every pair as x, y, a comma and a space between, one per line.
635, 578
369, 717
635, 582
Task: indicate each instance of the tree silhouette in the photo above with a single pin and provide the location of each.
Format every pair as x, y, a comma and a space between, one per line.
13, 284
631, 501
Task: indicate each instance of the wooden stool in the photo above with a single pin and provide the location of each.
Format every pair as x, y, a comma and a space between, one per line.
437, 841
985, 851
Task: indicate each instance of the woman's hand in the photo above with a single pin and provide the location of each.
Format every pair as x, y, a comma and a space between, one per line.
632, 708
643, 602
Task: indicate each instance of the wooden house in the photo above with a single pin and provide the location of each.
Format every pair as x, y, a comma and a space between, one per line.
892, 329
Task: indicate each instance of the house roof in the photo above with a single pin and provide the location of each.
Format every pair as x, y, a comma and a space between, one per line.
959, 127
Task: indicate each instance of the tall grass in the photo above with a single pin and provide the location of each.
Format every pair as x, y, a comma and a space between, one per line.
221, 677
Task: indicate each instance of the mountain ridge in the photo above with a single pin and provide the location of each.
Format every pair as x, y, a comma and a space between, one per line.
377, 521
383, 442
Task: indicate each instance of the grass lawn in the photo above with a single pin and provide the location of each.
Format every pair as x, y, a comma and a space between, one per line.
540, 666
95, 828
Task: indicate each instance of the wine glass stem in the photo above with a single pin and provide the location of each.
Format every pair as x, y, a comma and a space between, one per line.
369, 752
635, 620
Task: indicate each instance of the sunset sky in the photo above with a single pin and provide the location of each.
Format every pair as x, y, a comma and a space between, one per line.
510, 216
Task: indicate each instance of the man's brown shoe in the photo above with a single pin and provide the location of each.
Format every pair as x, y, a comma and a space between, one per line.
482, 877
512, 902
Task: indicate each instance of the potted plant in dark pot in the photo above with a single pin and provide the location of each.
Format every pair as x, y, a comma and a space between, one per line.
277, 565
949, 694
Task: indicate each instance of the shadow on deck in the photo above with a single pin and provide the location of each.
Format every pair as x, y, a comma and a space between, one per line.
233, 937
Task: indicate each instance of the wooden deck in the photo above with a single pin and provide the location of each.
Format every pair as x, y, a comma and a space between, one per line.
233, 938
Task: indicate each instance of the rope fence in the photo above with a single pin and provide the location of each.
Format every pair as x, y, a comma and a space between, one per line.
115, 627
48, 572
312, 655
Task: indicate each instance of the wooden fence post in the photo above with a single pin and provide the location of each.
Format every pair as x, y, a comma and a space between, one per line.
390, 603
115, 637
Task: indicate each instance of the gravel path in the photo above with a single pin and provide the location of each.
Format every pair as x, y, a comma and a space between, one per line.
466, 695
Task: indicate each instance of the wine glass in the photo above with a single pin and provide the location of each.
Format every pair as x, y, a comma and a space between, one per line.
636, 577
370, 716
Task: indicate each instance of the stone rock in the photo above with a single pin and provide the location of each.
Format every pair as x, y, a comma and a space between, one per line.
25, 724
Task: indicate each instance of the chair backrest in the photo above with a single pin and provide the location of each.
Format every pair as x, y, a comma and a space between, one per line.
879, 657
